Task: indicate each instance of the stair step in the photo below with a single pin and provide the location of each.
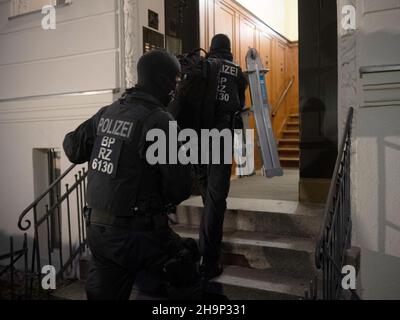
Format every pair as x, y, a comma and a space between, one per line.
254, 239
288, 154
238, 283
293, 123
283, 149
294, 116
291, 134
76, 291
297, 128
290, 159
258, 250
290, 162
291, 131
273, 217
289, 141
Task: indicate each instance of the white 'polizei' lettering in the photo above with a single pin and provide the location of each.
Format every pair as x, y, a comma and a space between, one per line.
117, 128
231, 70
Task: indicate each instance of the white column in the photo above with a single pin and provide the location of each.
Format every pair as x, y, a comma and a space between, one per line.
132, 41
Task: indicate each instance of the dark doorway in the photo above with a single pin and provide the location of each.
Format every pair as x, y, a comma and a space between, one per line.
318, 67
46, 164
182, 26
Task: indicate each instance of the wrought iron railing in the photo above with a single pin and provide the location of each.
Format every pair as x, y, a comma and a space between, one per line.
335, 235
57, 216
13, 257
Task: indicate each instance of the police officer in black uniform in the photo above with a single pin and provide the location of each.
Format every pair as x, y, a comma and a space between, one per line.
214, 179
127, 225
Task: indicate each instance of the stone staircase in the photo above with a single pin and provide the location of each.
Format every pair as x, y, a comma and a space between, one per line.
289, 145
268, 246
268, 250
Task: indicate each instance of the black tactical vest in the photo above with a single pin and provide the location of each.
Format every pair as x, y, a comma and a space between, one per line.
228, 100
117, 168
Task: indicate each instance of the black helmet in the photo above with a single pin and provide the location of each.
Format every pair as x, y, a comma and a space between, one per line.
157, 74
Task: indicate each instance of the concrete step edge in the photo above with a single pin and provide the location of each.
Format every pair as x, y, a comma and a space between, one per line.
289, 159
263, 281
261, 206
289, 140
256, 239
245, 281
292, 131
283, 149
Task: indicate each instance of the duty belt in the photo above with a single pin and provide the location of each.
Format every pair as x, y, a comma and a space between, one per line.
135, 223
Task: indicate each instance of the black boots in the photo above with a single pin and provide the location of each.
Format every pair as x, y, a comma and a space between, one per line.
210, 271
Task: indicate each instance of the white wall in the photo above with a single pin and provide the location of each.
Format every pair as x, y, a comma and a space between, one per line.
24, 126
91, 50
38, 70
281, 15
376, 148
82, 54
292, 20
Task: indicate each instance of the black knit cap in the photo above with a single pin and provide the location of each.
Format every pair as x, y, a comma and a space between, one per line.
220, 43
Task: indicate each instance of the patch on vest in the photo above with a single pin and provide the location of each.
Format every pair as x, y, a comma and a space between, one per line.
111, 134
106, 152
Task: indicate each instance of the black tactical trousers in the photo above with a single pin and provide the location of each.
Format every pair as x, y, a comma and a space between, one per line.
214, 183
119, 256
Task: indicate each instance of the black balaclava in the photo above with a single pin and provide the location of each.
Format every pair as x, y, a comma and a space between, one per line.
157, 74
221, 47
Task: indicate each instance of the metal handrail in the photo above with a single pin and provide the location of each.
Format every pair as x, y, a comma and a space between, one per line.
61, 208
332, 189
41, 197
335, 234
14, 256
282, 97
